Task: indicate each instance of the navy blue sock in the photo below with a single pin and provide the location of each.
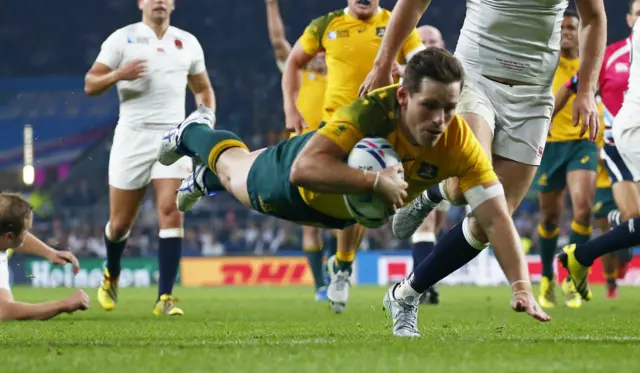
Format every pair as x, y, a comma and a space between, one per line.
114, 253
169, 253
450, 253
625, 235
420, 250
434, 195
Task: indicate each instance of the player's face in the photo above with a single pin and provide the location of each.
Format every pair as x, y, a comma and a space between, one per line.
156, 10
428, 112
363, 9
634, 13
569, 33
431, 37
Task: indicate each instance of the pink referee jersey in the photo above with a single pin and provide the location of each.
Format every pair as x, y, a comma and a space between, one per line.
614, 81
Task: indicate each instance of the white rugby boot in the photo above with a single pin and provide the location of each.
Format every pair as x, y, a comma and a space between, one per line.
408, 219
170, 150
338, 289
192, 188
403, 312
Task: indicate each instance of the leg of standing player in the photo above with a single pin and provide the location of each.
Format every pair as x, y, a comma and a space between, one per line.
422, 244
623, 163
170, 222
312, 245
128, 178
340, 266
551, 206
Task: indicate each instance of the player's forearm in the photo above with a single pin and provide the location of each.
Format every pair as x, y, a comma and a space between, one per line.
11, 310
404, 18
206, 98
34, 246
291, 80
504, 239
274, 22
593, 37
325, 175
95, 85
561, 98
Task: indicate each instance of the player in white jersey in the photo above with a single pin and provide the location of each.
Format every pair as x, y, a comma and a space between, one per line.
16, 217
509, 49
151, 63
626, 135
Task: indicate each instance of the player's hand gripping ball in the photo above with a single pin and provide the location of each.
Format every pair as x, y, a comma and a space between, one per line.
372, 154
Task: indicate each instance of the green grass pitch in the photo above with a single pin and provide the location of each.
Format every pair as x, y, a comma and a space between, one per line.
281, 329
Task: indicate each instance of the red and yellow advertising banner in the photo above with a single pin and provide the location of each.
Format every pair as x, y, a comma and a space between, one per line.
245, 271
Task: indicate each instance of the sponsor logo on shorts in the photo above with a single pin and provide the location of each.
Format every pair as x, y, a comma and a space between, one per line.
540, 151
584, 159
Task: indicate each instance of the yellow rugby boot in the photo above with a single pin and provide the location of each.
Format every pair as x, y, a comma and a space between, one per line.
547, 297
571, 297
577, 271
108, 292
166, 306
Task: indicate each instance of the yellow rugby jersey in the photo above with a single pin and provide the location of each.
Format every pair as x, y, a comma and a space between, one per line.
350, 47
456, 154
562, 128
311, 98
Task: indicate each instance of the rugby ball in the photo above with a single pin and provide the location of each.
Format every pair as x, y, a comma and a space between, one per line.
372, 154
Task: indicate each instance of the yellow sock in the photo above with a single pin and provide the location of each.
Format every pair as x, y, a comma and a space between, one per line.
346, 256
311, 249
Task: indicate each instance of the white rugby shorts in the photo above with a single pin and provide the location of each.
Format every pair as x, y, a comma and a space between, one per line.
133, 159
519, 116
623, 158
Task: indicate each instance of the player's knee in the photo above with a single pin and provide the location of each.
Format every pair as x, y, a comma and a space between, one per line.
118, 229
628, 212
549, 218
169, 217
582, 214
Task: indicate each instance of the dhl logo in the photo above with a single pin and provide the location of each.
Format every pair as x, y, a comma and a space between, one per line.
245, 271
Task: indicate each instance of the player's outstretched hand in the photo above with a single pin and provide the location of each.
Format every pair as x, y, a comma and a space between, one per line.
78, 301
585, 109
294, 120
133, 70
391, 185
522, 301
64, 257
377, 78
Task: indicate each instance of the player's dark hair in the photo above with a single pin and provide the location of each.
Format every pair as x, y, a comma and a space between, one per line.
433, 63
571, 13
14, 213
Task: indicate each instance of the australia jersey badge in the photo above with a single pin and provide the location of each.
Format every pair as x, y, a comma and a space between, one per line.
380, 31
427, 171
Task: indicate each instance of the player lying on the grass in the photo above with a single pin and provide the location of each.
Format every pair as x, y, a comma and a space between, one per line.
303, 179
16, 216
